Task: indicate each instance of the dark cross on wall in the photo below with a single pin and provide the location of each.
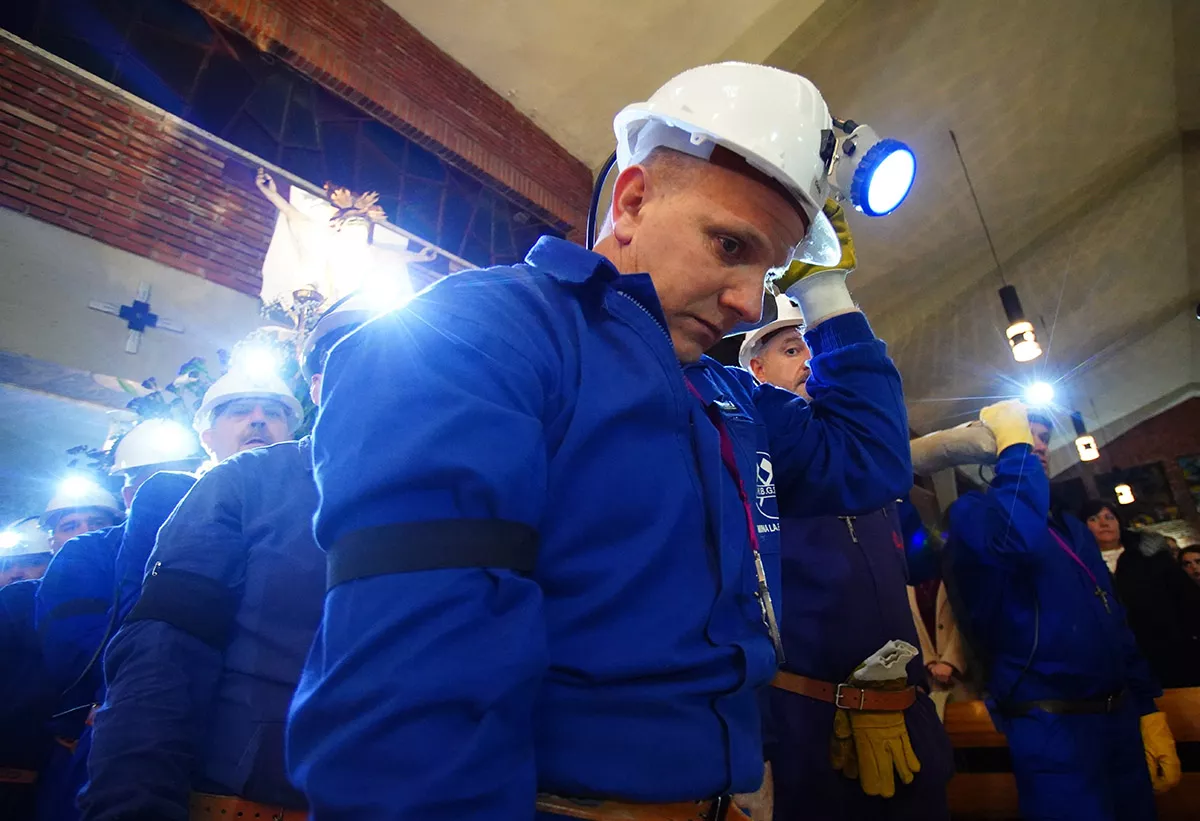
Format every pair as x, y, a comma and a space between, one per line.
138, 317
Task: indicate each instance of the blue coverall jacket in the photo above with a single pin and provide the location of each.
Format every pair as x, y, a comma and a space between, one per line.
1033, 616
563, 597
201, 673
26, 700
88, 588
845, 584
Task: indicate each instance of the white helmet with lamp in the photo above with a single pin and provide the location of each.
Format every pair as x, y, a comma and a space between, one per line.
775, 120
78, 493
779, 124
238, 384
155, 442
787, 315
24, 538
338, 320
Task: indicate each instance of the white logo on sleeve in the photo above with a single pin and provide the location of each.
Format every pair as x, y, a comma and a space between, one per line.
765, 490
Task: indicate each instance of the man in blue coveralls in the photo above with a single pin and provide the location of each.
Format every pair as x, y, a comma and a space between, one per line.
543, 583
79, 600
845, 583
92, 582
25, 698
1065, 681
201, 674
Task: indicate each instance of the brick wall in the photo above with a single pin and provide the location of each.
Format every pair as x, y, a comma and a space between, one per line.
1164, 438
92, 161
371, 56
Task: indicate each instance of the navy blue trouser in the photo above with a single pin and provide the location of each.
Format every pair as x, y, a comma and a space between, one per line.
807, 788
1071, 767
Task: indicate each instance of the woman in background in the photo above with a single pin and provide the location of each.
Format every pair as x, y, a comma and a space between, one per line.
1162, 605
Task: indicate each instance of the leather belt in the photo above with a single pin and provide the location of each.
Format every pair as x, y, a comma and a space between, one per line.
718, 809
845, 696
1062, 707
204, 807
12, 775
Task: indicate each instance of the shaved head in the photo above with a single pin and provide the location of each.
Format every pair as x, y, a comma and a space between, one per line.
707, 233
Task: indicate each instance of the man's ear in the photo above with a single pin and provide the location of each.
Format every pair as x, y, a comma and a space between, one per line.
756, 368
629, 197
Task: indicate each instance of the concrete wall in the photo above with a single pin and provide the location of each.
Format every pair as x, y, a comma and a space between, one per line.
49, 274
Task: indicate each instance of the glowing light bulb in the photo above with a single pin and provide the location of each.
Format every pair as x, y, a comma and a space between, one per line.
1088, 451
258, 362
171, 437
77, 486
1124, 494
890, 182
9, 539
1039, 393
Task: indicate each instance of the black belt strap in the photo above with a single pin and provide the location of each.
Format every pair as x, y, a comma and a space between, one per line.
196, 604
438, 545
1061, 707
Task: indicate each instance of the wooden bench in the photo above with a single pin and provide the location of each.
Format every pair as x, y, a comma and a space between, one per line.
993, 795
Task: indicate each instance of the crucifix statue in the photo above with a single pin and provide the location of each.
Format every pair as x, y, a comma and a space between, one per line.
137, 316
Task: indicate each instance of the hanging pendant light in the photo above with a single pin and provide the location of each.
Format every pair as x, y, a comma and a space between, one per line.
1085, 443
1124, 494
1021, 337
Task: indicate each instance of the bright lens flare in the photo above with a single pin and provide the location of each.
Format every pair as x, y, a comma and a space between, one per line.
891, 181
9, 539
1039, 393
258, 362
171, 437
77, 486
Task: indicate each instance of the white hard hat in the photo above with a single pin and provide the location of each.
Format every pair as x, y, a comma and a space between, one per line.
155, 442
24, 538
775, 120
238, 384
77, 493
787, 315
338, 320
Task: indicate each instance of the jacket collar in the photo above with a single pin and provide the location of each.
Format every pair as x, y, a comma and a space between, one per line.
568, 262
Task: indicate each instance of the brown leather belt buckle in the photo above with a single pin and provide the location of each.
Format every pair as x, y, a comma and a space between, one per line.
840, 704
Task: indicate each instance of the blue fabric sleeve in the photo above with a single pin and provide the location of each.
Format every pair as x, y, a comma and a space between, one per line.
74, 601
162, 679
418, 695
847, 450
161, 683
1011, 519
155, 500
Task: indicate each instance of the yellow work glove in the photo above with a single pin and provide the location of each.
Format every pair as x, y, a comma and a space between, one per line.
1161, 757
798, 270
1009, 423
880, 746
